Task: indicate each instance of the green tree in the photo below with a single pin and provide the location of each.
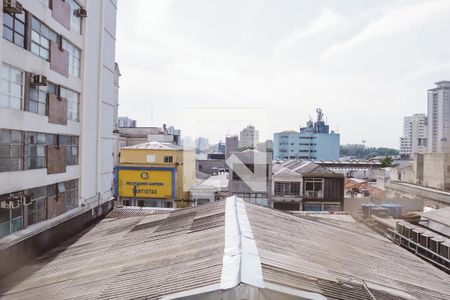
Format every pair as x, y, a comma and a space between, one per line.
386, 162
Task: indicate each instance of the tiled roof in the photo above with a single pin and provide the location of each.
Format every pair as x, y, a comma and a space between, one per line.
187, 253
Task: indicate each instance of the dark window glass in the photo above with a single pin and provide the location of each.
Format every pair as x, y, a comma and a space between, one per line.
14, 28
11, 150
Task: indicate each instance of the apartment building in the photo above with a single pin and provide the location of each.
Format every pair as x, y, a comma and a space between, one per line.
126, 122
249, 137
313, 142
414, 135
439, 117
56, 118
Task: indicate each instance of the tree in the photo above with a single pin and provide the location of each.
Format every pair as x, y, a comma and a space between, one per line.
386, 162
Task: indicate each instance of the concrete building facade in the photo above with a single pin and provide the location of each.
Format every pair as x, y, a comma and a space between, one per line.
126, 122
414, 137
439, 117
249, 137
56, 118
313, 142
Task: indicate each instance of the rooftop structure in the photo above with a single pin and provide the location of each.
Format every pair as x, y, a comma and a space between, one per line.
227, 250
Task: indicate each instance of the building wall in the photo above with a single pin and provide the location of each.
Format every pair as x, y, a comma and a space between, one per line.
309, 146
97, 99
231, 145
439, 118
206, 165
415, 132
183, 163
436, 170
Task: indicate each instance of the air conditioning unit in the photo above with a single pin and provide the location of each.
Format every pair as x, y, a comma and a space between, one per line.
12, 7
81, 13
38, 80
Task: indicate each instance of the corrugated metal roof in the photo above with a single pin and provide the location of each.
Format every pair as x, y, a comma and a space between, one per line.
155, 146
154, 255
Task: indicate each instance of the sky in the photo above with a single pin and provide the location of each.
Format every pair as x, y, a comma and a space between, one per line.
211, 67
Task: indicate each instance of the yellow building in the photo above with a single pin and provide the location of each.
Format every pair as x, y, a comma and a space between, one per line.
155, 174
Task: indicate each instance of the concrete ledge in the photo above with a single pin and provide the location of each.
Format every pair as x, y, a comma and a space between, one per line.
21, 247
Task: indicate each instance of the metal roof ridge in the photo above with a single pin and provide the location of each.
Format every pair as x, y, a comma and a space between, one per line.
241, 261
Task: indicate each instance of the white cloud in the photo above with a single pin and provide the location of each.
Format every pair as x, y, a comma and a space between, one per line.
395, 19
325, 21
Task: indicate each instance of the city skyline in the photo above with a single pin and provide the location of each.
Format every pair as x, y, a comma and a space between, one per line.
367, 64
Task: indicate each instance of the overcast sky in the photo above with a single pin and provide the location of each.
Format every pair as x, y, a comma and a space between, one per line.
367, 64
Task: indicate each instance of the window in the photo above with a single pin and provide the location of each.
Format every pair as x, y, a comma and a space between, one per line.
151, 158
74, 58
313, 188
168, 159
41, 36
38, 100
71, 143
37, 211
12, 87
75, 22
14, 28
11, 150
73, 103
287, 188
35, 150
71, 199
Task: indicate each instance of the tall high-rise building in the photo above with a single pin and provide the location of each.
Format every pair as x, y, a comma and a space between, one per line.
249, 137
313, 142
57, 105
414, 135
439, 117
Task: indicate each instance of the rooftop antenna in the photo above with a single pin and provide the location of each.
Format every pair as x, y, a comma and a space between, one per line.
319, 115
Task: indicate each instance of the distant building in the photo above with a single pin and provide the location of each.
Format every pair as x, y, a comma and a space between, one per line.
221, 147
139, 135
126, 122
414, 135
313, 142
249, 137
439, 117
231, 145
155, 174
266, 146
251, 176
303, 185
202, 143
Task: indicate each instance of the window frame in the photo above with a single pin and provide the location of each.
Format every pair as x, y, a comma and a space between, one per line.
16, 18
9, 83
